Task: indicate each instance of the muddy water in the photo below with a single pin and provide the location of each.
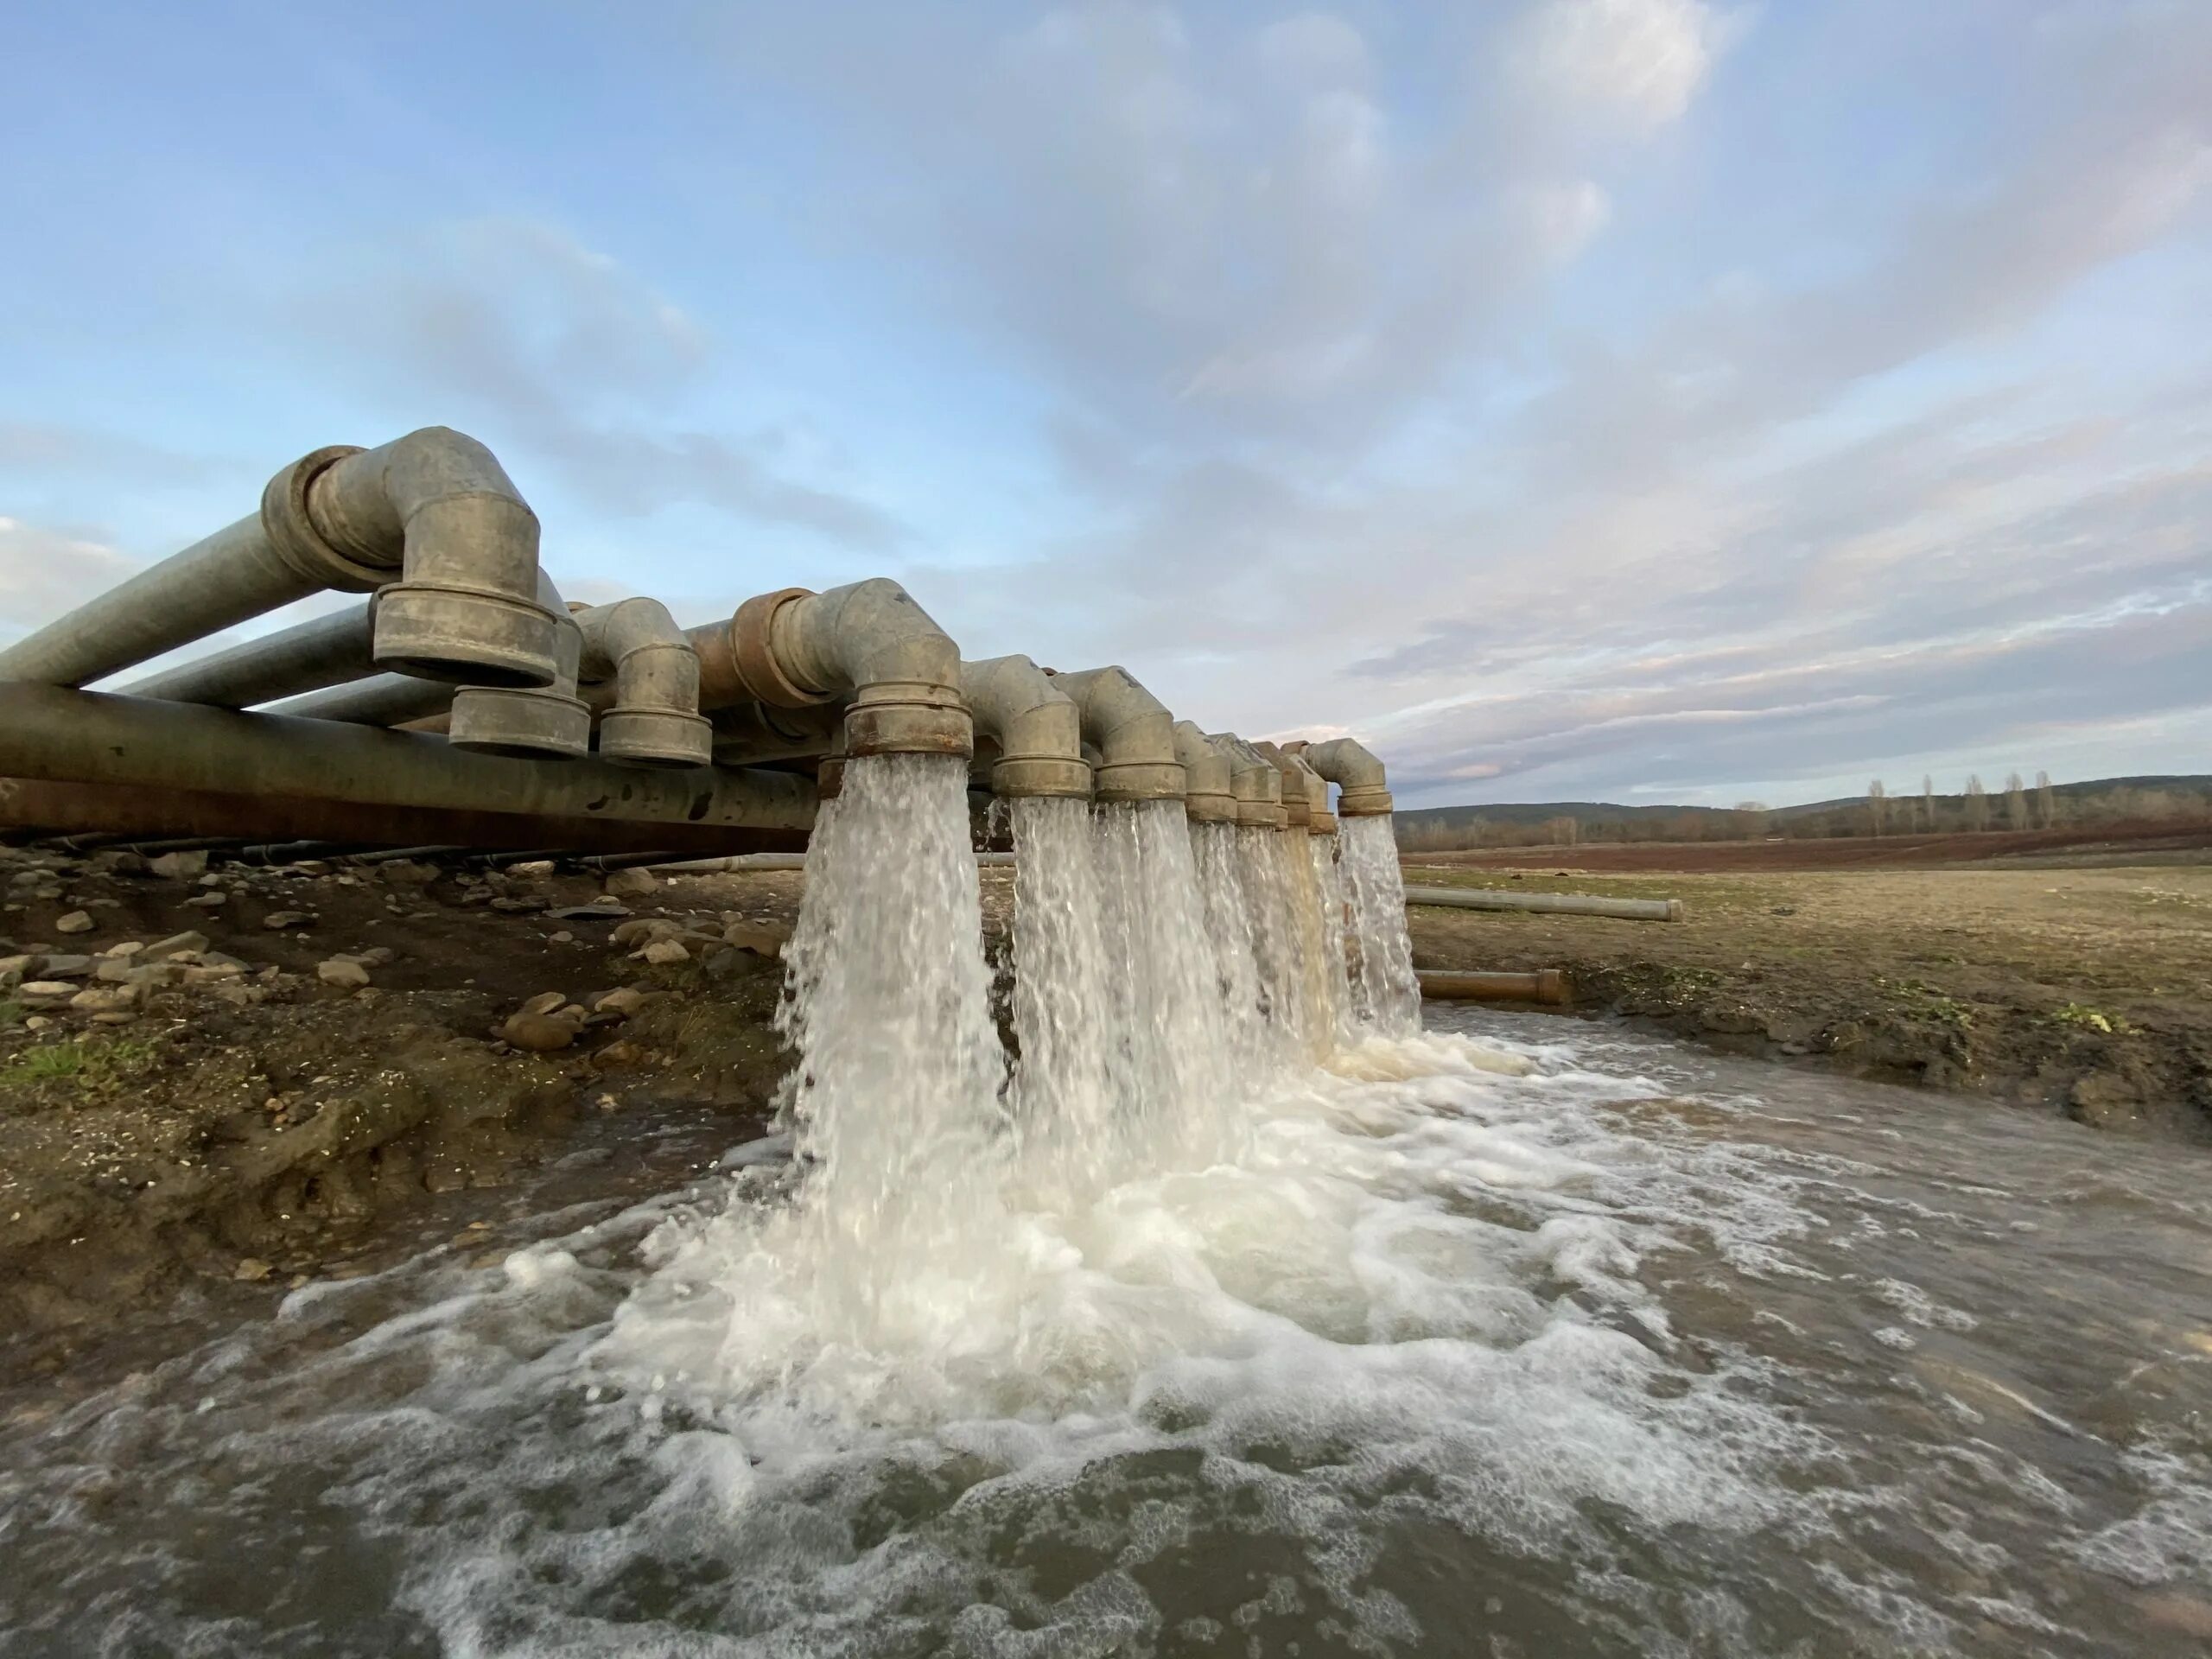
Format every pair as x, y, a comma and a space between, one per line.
1639, 1352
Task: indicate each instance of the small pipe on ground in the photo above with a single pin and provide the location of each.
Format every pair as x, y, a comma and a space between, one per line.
1556, 903
1547, 986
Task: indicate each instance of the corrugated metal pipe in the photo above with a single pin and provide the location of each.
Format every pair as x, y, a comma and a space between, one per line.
1032, 723
1363, 789
869, 643
1210, 797
1134, 732
429, 521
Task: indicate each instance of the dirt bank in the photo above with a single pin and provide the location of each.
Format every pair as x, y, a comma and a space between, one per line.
2114, 844
2082, 991
240, 1076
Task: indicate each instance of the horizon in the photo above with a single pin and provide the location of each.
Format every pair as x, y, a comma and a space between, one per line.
1994, 784
1643, 399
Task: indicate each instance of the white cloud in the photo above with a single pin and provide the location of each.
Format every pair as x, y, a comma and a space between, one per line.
45, 572
1641, 60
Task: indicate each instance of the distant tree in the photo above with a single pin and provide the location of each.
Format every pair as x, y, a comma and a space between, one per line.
2046, 801
2016, 802
1563, 831
1750, 819
1977, 803
1878, 800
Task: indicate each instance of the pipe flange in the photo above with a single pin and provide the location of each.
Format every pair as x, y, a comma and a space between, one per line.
1255, 815
909, 717
829, 778
656, 737
753, 655
495, 721
1207, 807
292, 535
1295, 810
1364, 801
470, 635
1143, 781
1054, 776
1321, 824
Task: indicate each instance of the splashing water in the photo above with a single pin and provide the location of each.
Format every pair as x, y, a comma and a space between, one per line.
1229, 923
1385, 990
1336, 977
1274, 940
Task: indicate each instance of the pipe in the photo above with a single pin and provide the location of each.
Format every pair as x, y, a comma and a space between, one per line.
1554, 904
547, 720
786, 863
1290, 786
1363, 789
432, 509
1546, 985
746, 733
84, 737
328, 651
869, 641
655, 720
1211, 798
380, 700
1134, 733
1035, 725
1256, 784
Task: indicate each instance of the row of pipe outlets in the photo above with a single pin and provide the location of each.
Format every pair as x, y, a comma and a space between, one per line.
464, 642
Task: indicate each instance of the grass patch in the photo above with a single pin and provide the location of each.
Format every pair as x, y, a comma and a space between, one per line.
90, 1066
2085, 1018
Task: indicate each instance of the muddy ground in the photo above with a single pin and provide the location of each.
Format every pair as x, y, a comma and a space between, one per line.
2086, 991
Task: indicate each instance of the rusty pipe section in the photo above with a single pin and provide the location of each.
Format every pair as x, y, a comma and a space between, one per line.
429, 519
1034, 724
1134, 732
868, 643
1363, 789
1210, 797
1256, 785
655, 719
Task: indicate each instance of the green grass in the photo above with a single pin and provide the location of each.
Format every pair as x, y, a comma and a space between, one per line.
2089, 1019
89, 1065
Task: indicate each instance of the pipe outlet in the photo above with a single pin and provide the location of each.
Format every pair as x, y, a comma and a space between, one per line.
529, 719
1256, 784
1034, 724
1363, 789
436, 506
1206, 775
869, 643
1134, 733
1290, 786
655, 719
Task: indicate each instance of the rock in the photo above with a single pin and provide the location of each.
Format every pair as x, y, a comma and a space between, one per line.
58, 966
276, 919
128, 948
252, 1270
540, 1033
112, 971
531, 870
378, 956
513, 905
36, 1023
407, 873
630, 884
156, 976
310, 867
114, 1017
545, 1002
661, 953
26, 878
209, 900
342, 971
174, 943
178, 867
213, 972
623, 1052
759, 940
623, 1000
605, 910
47, 990
644, 930
77, 921
14, 968
116, 862
105, 999
562, 938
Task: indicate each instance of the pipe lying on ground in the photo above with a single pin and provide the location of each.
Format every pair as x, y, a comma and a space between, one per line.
47, 732
1559, 903
755, 863
1210, 796
1547, 985
1134, 732
429, 521
1362, 786
1034, 723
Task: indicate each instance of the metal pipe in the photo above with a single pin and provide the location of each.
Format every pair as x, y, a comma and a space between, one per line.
1256, 785
1546, 985
748, 731
1291, 784
1363, 789
1134, 733
328, 651
380, 700
869, 641
1034, 724
1558, 903
655, 720
76, 736
548, 719
432, 509
1211, 797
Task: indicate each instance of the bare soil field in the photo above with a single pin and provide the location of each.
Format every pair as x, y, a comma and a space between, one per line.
2130, 842
2087, 991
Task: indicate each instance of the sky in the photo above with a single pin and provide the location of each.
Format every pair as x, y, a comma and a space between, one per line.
1642, 400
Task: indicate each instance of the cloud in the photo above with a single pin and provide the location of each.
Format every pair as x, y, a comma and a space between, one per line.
44, 572
1641, 60
44, 448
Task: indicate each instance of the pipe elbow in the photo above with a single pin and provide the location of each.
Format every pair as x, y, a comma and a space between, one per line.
1255, 784
655, 719
529, 721
869, 641
1134, 732
1211, 797
1035, 725
435, 509
1364, 787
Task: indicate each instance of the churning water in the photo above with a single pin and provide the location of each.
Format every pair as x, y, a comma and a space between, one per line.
1518, 1337
1384, 989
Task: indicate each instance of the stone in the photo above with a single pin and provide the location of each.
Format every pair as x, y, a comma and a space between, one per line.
114, 1017
630, 884
27, 878
662, 952
511, 905
156, 976
541, 1033
14, 968
342, 971
36, 1023
545, 1002
209, 900
622, 1052
174, 944
624, 1001
213, 972
127, 947
113, 970
310, 867
179, 867
59, 966
77, 921
105, 999
759, 940
376, 956
116, 861
251, 1270
562, 938
276, 919
50, 990
531, 869
644, 930
605, 910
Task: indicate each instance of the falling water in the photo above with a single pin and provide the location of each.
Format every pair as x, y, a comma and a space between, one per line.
1329, 887
1229, 923
1317, 1035
1275, 942
1385, 991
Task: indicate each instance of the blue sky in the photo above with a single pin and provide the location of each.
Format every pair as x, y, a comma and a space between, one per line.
1638, 399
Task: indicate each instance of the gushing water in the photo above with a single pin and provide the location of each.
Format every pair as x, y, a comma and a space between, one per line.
1275, 944
1329, 889
1229, 923
1385, 989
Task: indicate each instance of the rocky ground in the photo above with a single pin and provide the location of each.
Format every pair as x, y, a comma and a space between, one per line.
237, 1075
2087, 991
